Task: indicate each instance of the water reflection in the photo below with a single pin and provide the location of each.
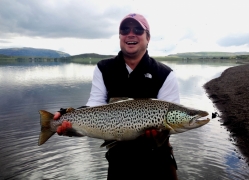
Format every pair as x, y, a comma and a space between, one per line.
203, 153
47, 73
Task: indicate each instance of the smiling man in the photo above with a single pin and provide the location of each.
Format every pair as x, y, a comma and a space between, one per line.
134, 74
134, 39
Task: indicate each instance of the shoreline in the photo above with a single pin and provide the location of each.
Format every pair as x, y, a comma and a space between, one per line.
230, 94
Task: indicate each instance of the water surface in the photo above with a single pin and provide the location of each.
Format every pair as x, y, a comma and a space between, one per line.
204, 153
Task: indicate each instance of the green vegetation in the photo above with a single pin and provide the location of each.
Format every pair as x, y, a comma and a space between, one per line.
210, 54
219, 57
89, 58
4, 58
32, 52
16, 59
92, 58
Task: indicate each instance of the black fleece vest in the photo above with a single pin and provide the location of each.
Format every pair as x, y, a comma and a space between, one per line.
144, 81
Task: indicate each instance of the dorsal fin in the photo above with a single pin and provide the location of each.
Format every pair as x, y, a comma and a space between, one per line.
117, 99
70, 109
162, 138
143, 98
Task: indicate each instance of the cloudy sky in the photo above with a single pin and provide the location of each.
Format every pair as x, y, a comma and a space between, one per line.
91, 26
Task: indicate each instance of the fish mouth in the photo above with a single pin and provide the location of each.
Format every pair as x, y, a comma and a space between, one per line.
201, 118
203, 114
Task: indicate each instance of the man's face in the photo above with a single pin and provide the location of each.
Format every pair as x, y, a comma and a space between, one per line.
133, 45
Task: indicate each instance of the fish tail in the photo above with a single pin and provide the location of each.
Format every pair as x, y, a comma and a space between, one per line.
46, 133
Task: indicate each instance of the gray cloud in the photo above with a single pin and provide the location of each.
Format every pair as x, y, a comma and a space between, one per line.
4, 41
234, 40
58, 20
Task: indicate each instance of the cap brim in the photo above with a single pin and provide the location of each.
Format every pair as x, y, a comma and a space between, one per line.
127, 19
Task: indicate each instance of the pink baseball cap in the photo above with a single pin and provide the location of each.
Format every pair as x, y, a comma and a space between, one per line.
139, 18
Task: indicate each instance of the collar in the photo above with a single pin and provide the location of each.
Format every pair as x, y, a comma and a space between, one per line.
142, 67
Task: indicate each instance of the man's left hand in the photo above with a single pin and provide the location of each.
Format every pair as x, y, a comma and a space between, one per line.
151, 133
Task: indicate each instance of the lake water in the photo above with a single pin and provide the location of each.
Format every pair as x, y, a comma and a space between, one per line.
203, 153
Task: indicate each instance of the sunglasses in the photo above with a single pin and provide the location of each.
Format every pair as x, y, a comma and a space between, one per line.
136, 30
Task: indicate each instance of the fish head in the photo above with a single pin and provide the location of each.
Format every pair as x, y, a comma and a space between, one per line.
180, 119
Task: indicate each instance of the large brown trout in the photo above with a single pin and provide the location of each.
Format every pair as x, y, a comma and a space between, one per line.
125, 119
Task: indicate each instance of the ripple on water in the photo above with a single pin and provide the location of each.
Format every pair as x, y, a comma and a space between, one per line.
205, 152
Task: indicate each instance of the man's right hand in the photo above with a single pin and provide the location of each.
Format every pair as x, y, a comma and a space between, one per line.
62, 129
65, 128
57, 115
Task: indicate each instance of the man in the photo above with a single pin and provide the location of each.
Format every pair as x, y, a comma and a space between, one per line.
132, 73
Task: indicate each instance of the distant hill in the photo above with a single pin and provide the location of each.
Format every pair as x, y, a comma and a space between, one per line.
209, 54
32, 52
88, 58
45, 55
92, 55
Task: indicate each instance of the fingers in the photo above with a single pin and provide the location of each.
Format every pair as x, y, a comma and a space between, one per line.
151, 133
57, 115
147, 133
154, 133
62, 130
59, 131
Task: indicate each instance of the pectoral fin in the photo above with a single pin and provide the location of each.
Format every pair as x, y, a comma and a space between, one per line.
161, 138
109, 144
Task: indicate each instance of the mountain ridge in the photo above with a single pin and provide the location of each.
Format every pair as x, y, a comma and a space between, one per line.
33, 52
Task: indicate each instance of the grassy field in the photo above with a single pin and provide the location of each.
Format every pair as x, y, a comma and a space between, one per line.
94, 58
4, 58
86, 60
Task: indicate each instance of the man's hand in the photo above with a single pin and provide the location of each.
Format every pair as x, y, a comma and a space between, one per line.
156, 137
62, 111
57, 115
151, 133
64, 128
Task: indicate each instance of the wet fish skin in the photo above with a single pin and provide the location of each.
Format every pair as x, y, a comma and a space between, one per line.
125, 120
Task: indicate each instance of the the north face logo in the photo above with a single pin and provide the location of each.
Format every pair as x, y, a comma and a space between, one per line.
148, 75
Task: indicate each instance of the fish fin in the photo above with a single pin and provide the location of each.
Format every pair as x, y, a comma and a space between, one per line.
106, 143
162, 138
46, 133
70, 109
109, 144
142, 98
169, 128
112, 145
117, 99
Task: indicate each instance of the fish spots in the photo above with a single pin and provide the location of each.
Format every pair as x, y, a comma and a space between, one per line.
115, 119
182, 116
176, 117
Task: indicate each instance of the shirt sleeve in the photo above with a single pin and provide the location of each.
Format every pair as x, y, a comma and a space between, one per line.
170, 91
98, 94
